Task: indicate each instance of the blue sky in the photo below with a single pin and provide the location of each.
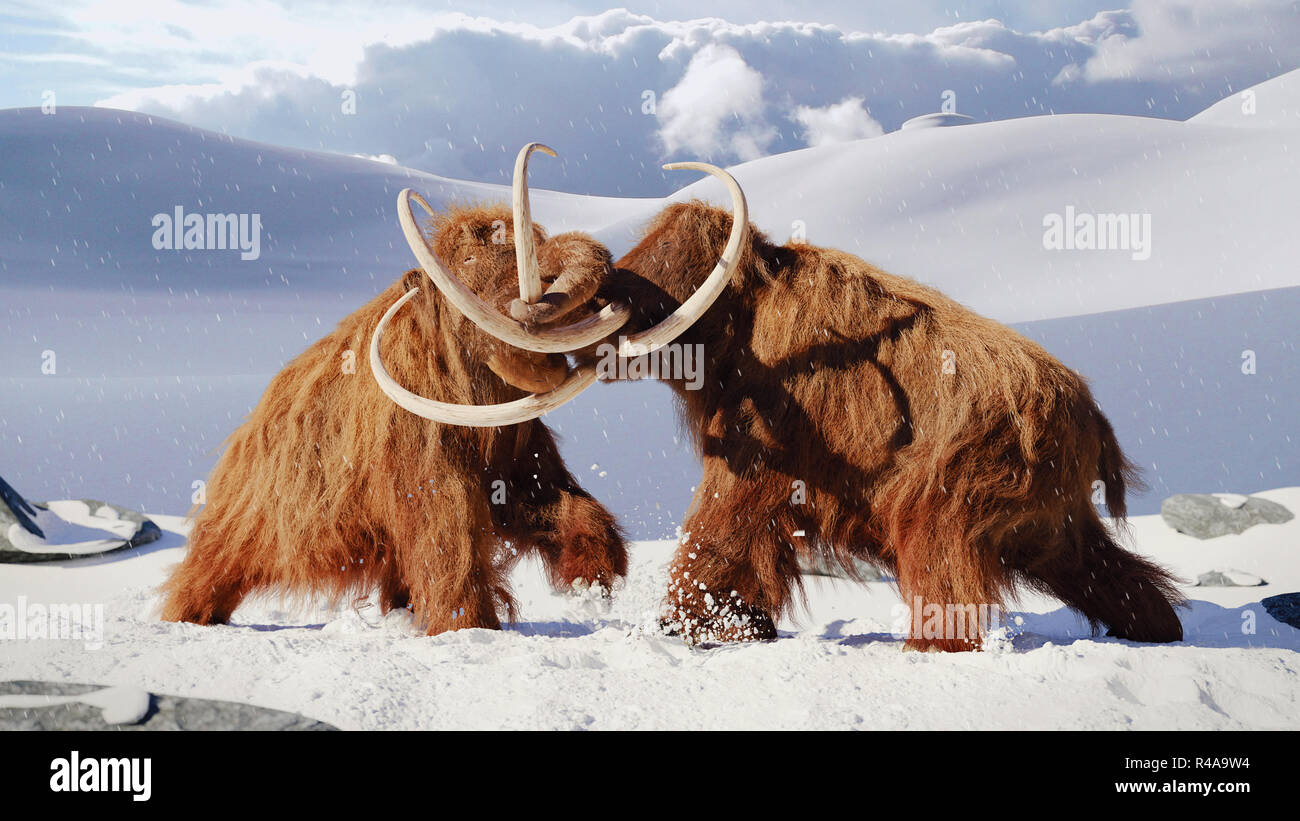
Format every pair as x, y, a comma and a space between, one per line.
455, 91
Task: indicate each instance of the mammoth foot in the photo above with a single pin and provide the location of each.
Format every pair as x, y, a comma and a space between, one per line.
941, 645
725, 624
585, 590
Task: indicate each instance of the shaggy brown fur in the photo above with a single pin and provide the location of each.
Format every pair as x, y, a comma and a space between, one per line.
826, 377
331, 489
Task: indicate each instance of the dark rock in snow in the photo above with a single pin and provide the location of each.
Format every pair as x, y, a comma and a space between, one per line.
1285, 608
113, 709
1205, 515
817, 565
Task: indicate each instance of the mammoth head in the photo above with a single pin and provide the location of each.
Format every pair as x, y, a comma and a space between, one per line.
478, 246
675, 261
536, 321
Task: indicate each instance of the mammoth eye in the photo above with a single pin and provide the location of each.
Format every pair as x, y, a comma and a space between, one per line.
469, 259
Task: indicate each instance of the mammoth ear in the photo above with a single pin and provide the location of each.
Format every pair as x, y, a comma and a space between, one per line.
576, 266
529, 371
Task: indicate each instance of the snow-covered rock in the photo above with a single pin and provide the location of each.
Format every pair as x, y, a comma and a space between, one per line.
937, 120
1205, 515
51, 706
1228, 577
66, 528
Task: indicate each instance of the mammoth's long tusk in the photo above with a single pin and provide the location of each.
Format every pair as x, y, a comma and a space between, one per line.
530, 278
693, 308
478, 416
547, 340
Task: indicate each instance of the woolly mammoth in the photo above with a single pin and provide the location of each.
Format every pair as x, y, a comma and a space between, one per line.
847, 413
408, 479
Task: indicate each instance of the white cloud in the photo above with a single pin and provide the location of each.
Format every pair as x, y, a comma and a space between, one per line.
267, 76
838, 123
1200, 41
457, 95
716, 108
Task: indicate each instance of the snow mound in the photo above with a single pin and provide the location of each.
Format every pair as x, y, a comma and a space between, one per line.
938, 120
1273, 103
965, 209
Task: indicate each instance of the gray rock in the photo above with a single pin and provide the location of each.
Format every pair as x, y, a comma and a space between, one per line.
1229, 577
1206, 516
821, 565
165, 712
1285, 608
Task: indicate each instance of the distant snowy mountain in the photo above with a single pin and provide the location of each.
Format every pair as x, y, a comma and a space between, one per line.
1273, 103
963, 209
79, 192
159, 353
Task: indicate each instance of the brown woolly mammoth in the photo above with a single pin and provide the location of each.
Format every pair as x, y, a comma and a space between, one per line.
845, 413
331, 488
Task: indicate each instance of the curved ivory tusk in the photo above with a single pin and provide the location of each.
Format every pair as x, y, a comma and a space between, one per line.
546, 340
475, 416
693, 308
530, 278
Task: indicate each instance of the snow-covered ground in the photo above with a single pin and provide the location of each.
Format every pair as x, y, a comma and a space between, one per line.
157, 355
581, 664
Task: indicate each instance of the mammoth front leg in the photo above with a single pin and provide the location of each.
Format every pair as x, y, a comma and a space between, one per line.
219, 568
544, 509
204, 589
732, 574
445, 552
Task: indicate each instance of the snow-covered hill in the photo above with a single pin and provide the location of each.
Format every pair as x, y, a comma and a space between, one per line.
159, 353
79, 191
963, 208
1273, 103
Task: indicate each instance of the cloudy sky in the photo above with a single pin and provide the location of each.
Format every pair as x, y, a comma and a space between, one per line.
617, 92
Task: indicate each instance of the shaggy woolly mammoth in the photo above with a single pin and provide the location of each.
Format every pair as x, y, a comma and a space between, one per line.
848, 414
407, 480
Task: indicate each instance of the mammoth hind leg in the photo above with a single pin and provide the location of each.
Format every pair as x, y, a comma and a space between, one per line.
393, 592
1131, 595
